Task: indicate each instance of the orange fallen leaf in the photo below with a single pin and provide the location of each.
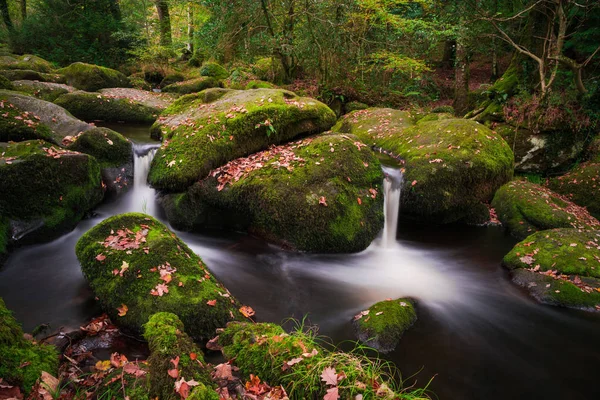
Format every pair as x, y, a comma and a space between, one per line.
247, 311
212, 303
122, 310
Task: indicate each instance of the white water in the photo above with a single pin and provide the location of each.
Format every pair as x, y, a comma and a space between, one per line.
142, 196
392, 189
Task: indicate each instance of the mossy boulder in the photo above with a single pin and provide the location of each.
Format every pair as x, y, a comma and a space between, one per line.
5, 83
452, 165
582, 186
94, 106
172, 78
27, 74
525, 208
559, 267
297, 362
44, 120
48, 91
27, 61
135, 261
22, 360
193, 85
384, 323
208, 129
156, 100
355, 106
46, 190
213, 70
269, 69
320, 194
91, 77
168, 341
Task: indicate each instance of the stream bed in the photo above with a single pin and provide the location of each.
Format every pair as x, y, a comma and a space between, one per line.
477, 335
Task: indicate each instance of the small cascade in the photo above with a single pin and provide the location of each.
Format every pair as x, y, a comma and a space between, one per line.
392, 189
142, 196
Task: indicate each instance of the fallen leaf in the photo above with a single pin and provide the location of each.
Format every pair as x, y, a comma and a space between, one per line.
100, 257
122, 310
247, 311
332, 394
212, 303
329, 376
323, 201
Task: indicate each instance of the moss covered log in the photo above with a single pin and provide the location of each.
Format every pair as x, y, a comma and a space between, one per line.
193, 85
22, 361
133, 260
452, 165
384, 323
321, 194
582, 186
559, 267
525, 208
206, 130
91, 77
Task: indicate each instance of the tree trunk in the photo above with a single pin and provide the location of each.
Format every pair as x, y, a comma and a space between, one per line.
449, 57
461, 79
115, 9
190, 28
164, 22
23, 4
6, 15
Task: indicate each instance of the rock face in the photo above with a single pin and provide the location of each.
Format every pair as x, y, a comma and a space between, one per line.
27, 61
43, 90
46, 190
193, 85
525, 208
452, 165
559, 267
137, 267
321, 194
94, 106
159, 101
27, 74
384, 323
582, 186
22, 360
208, 129
41, 119
90, 77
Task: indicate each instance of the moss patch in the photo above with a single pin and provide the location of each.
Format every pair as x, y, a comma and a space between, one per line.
213, 127
525, 208
17, 125
27, 61
259, 85
452, 165
46, 186
22, 361
582, 186
193, 85
110, 148
158, 253
91, 77
269, 69
213, 70
385, 323
43, 90
559, 267
302, 195
5, 83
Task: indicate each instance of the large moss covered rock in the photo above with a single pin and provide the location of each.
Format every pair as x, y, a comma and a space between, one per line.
94, 106
193, 85
525, 208
91, 77
45, 189
384, 323
269, 69
27, 74
27, 61
206, 130
559, 267
213, 70
48, 91
134, 261
452, 165
22, 361
37, 119
321, 194
582, 186
159, 101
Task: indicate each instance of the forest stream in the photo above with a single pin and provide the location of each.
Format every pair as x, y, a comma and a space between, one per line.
477, 335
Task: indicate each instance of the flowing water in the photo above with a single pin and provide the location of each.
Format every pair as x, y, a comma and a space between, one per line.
478, 335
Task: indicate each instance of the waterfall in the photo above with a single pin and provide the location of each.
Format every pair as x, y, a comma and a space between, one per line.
142, 196
392, 188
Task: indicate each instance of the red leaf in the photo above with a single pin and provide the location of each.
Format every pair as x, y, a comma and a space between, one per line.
329, 376
175, 361
212, 303
100, 257
247, 311
173, 373
323, 201
332, 394
193, 356
359, 200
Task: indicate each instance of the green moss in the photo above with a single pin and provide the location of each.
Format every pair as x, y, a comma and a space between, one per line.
213, 70
161, 248
582, 186
525, 208
259, 85
138, 81
93, 106
269, 69
452, 165
42, 90
167, 340
5, 83
41, 182
17, 125
91, 77
443, 110
27, 61
22, 361
559, 267
355, 106
193, 85
110, 148
281, 202
172, 78
385, 324
201, 392
201, 136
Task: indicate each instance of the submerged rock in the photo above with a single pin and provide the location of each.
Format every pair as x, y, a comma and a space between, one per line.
559, 267
46, 190
321, 194
136, 267
525, 208
206, 130
582, 186
48, 91
384, 323
91, 77
452, 165
193, 85
22, 360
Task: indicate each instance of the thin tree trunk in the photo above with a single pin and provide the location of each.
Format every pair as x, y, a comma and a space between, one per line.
495, 69
449, 57
164, 22
23, 9
6, 15
190, 28
461, 79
